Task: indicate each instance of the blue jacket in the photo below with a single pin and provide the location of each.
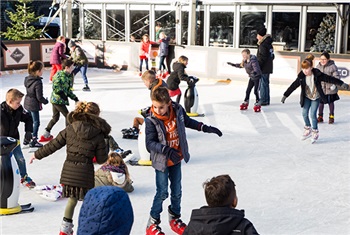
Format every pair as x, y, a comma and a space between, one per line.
106, 210
156, 136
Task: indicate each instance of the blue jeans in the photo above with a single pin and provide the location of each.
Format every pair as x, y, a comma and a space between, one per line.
174, 175
83, 70
36, 122
265, 88
21, 162
312, 106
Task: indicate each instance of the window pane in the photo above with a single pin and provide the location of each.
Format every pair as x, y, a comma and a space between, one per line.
165, 21
285, 28
139, 24
251, 22
320, 32
75, 23
221, 29
92, 24
184, 28
115, 25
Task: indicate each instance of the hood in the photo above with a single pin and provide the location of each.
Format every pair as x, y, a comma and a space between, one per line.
329, 63
217, 220
267, 38
178, 65
30, 80
253, 57
106, 210
88, 125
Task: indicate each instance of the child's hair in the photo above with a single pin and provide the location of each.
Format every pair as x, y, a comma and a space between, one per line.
246, 50
325, 54
87, 107
60, 38
308, 62
161, 35
182, 59
160, 95
115, 159
219, 191
13, 94
149, 75
145, 36
35, 66
67, 63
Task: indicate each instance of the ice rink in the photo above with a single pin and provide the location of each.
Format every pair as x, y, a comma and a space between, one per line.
285, 185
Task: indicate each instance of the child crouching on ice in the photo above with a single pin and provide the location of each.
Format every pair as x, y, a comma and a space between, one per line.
251, 65
114, 173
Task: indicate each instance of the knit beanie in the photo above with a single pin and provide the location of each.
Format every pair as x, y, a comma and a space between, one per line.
262, 32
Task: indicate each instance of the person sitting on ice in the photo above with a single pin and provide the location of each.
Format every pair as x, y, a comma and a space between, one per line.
114, 173
220, 216
106, 210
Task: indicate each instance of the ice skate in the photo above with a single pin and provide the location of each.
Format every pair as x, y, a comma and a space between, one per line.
307, 133
153, 227
331, 119
165, 74
131, 133
244, 105
35, 144
320, 118
66, 227
175, 222
314, 136
86, 88
27, 182
257, 107
46, 137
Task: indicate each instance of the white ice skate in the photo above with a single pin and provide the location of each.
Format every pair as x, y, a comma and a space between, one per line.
314, 136
307, 133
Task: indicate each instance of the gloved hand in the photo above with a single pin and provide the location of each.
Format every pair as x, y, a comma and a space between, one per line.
211, 129
283, 99
234, 65
76, 99
28, 136
345, 86
172, 154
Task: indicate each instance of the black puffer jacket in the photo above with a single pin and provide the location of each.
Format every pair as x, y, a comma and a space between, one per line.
34, 97
176, 76
265, 54
219, 221
85, 138
318, 78
10, 120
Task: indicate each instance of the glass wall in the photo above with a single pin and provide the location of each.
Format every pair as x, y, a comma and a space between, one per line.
251, 22
285, 28
92, 24
320, 32
165, 22
221, 29
115, 25
139, 23
75, 23
184, 28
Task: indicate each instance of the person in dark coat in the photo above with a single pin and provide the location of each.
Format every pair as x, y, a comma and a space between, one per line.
106, 210
310, 80
176, 76
85, 138
34, 98
265, 55
12, 113
57, 55
220, 216
163, 53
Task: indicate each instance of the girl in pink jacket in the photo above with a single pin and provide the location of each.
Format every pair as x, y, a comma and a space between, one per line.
144, 51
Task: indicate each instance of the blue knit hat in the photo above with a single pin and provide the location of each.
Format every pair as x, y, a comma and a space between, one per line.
106, 210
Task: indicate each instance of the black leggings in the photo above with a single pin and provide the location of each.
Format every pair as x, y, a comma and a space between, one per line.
161, 62
251, 84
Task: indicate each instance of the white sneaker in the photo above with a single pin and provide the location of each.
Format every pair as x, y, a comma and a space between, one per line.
307, 133
314, 136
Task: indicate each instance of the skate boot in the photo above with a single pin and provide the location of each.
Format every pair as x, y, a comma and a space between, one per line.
86, 88
66, 227
113, 145
331, 118
314, 136
35, 144
307, 133
244, 105
320, 117
28, 182
46, 136
257, 107
165, 74
176, 223
153, 227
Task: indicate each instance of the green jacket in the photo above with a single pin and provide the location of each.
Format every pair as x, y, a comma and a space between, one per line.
61, 88
78, 56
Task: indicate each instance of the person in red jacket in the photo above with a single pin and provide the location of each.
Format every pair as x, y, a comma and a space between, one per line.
144, 51
57, 55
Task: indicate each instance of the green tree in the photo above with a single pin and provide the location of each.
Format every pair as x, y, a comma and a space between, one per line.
324, 39
21, 28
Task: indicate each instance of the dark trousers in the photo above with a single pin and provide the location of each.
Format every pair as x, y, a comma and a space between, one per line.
251, 84
161, 62
56, 110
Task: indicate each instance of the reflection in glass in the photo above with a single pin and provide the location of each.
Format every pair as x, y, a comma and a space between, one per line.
92, 24
75, 23
115, 25
165, 22
251, 22
184, 27
221, 29
139, 23
285, 28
